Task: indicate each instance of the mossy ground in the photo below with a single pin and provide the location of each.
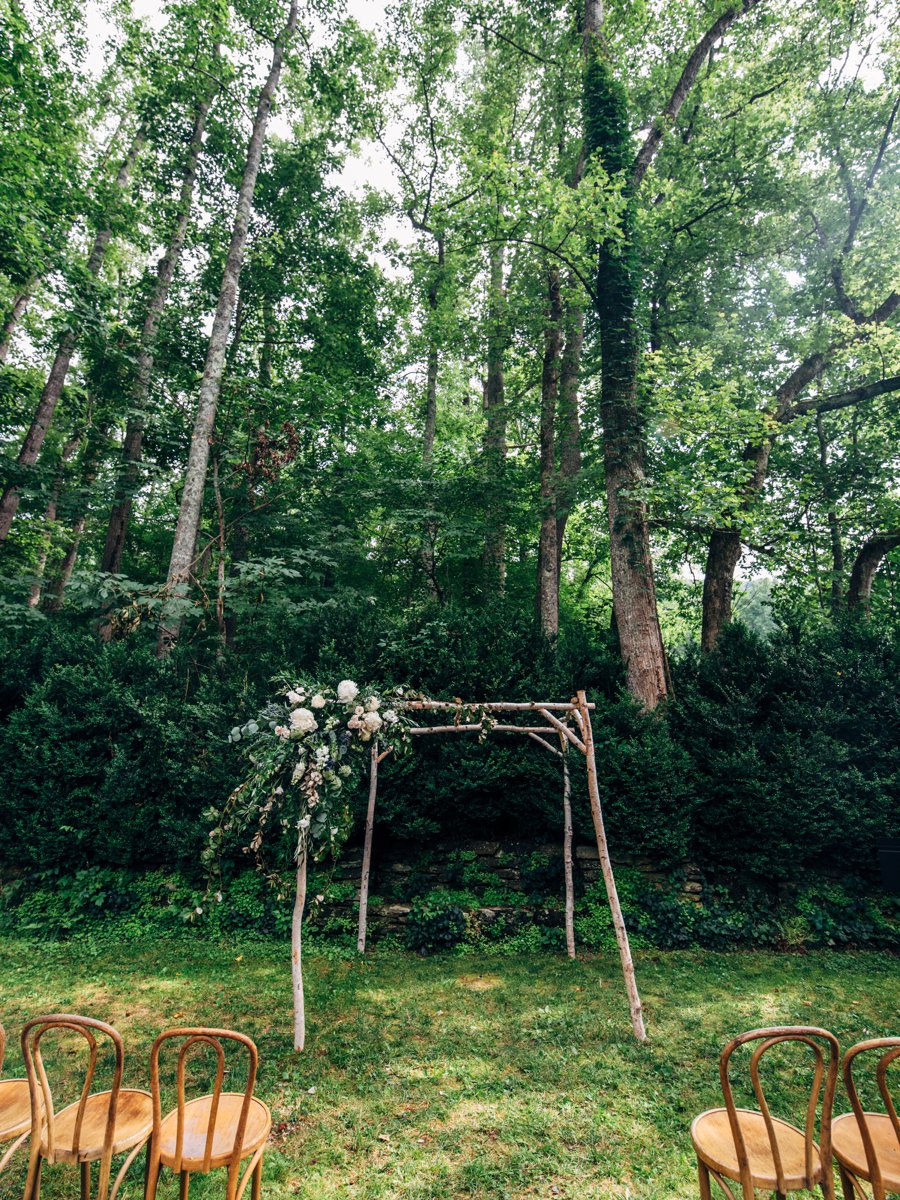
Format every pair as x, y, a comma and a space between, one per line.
458, 1075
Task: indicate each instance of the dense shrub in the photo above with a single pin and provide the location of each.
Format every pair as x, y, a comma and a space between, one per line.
434, 923
775, 758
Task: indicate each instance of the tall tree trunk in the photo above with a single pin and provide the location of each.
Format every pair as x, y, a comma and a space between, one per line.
43, 417
19, 305
607, 132
494, 555
722, 558
569, 428
129, 470
434, 295
190, 511
868, 560
548, 552
834, 524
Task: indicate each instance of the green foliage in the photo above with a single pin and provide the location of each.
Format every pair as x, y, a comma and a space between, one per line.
435, 922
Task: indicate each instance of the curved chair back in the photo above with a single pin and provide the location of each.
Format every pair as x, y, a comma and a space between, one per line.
43, 1117
824, 1071
891, 1051
191, 1038
2, 1044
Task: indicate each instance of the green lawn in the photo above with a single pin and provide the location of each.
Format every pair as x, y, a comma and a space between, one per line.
458, 1076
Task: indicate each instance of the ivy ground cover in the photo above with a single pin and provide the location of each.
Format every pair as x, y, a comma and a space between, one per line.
459, 1075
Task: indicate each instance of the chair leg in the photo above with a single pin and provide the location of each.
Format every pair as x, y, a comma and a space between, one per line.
85, 1181
703, 1176
33, 1181
154, 1170
256, 1185
184, 1183
846, 1183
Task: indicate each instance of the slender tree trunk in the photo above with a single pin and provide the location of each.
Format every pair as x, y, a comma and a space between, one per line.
190, 512
494, 556
834, 525
129, 470
19, 305
92, 457
46, 408
865, 567
548, 550
69, 451
569, 429
607, 131
434, 296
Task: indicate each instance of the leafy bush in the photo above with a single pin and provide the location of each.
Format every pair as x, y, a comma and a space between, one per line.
434, 923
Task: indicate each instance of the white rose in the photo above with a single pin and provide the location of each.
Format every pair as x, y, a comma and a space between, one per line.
318, 700
302, 721
372, 721
295, 697
347, 691
373, 704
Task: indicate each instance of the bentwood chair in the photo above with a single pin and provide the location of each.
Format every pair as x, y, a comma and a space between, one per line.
221, 1129
867, 1144
15, 1110
93, 1128
754, 1148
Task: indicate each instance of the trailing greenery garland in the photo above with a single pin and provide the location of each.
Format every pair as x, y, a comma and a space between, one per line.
306, 751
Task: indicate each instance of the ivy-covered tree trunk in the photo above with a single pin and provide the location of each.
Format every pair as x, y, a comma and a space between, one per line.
191, 508
43, 417
494, 555
608, 134
129, 470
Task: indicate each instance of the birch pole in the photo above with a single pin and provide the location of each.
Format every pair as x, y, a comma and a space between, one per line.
297, 953
567, 848
191, 509
367, 853
634, 999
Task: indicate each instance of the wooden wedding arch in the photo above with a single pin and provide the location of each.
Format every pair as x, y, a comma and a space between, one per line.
540, 721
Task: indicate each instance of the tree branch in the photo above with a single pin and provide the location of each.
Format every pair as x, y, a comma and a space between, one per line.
865, 391
669, 114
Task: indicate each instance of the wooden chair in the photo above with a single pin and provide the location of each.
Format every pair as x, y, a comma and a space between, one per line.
756, 1149
221, 1129
94, 1127
15, 1110
867, 1144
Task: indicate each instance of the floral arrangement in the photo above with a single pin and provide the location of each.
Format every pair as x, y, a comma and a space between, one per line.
306, 751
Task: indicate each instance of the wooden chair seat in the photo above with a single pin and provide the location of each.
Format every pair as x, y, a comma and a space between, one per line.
134, 1123
849, 1150
196, 1125
714, 1144
15, 1108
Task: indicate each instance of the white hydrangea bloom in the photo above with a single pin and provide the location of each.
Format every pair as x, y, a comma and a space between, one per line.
390, 717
